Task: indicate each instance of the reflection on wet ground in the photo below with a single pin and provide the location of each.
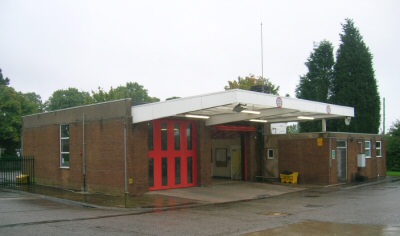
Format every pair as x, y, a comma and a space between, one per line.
328, 228
147, 201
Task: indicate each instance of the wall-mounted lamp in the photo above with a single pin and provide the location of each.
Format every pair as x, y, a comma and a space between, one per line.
257, 120
305, 117
250, 112
197, 116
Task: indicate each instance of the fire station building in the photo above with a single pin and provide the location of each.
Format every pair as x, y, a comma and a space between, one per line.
118, 148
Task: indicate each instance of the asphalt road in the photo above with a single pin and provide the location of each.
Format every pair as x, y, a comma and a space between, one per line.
361, 210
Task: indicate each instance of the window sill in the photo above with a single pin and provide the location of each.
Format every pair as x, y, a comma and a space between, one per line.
64, 167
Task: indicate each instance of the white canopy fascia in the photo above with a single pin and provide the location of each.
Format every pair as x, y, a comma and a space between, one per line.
219, 107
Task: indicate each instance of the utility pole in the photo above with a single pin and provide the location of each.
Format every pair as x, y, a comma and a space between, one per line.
384, 118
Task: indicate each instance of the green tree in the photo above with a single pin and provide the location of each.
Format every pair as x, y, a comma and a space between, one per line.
250, 81
10, 119
3, 81
354, 83
31, 103
316, 83
100, 95
71, 97
393, 147
132, 90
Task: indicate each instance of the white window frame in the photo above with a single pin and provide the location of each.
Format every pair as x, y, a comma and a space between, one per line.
273, 153
62, 164
367, 149
378, 148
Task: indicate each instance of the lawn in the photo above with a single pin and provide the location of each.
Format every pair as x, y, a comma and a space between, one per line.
392, 173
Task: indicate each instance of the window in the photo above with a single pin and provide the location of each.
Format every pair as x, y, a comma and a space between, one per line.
270, 153
150, 137
367, 149
64, 146
378, 149
177, 136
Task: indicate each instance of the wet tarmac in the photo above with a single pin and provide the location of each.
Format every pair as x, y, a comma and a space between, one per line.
327, 228
98, 200
221, 191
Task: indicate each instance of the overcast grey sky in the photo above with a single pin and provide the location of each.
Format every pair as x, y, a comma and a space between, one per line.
185, 48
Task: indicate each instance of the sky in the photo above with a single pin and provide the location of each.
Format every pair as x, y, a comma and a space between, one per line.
186, 48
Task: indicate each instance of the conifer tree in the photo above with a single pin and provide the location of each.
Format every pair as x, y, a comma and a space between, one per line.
354, 83
315, 84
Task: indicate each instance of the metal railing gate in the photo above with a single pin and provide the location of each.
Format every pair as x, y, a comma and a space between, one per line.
17, 171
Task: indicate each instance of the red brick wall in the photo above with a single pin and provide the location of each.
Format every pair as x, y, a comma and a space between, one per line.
104, 155
300, 153
204, 148
138, 158
375, 166
305, 157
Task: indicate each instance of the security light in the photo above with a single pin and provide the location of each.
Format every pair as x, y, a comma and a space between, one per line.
239, 107
347, 120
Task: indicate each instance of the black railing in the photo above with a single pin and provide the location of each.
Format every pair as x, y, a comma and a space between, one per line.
17, 171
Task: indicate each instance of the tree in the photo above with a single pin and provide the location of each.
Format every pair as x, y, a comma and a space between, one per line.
31, 103
131, 90
393, 147
250, 81
316, 83
354, 82
3, 81
10, 119
14, 105
71, 97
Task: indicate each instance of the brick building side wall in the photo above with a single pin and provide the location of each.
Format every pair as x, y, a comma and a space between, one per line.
375, 166
253, 157
138, 158
204, 148
104, 151
105, 156
44, 144
303, 156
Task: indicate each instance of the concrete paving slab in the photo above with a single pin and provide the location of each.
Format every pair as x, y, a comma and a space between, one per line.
222, 191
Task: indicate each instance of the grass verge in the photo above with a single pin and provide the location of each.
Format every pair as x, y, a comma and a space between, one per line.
393, 173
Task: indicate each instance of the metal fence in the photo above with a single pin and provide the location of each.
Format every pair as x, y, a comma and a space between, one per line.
17, 171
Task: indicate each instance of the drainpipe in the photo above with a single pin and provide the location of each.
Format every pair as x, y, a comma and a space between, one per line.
330, 160
323, 125
83, 153
125, 161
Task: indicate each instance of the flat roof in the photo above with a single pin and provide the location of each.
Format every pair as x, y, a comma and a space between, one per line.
219, 107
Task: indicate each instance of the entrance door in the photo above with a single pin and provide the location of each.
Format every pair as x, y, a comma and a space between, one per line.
236, 163
342, 161
172, 154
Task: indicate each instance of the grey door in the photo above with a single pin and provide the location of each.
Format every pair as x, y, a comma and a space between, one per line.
342, 161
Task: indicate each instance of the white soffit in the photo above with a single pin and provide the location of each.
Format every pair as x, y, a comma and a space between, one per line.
219, 107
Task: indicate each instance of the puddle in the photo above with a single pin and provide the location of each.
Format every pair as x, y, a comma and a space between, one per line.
327, 228
147, 201
311, 196
275, 214
314, 206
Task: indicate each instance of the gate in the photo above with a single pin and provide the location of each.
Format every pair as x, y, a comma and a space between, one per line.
16, 171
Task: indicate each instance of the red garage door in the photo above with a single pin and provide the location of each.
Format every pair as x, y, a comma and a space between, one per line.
172, 154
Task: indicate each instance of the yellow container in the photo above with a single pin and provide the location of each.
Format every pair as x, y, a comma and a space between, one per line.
291, 179
22, 179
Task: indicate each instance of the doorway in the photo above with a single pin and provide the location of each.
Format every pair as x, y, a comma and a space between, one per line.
172, 154
342, 161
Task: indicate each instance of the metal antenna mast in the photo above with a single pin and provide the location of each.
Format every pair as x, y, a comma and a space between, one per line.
262, 54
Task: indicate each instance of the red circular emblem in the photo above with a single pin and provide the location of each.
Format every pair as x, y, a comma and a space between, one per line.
279, 102
328, 109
